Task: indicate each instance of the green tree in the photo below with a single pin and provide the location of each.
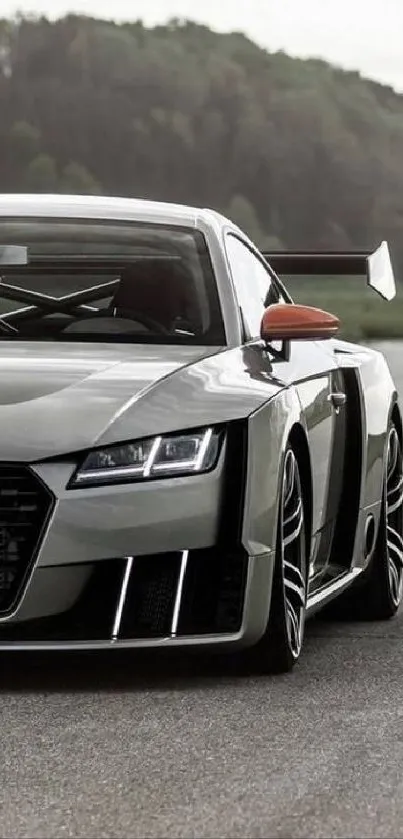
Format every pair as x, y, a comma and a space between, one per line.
77, 180
299, 153
42, 175
242, 212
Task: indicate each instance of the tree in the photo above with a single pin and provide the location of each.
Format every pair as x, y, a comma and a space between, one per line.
299, 153
77, 180
41, 174
242, 213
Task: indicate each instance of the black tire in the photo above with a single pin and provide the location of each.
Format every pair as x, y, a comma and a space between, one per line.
378, 594
280, 647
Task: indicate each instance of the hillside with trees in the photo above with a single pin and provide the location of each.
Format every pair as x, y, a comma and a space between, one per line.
298, 152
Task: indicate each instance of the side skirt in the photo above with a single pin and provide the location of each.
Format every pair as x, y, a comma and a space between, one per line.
328, 592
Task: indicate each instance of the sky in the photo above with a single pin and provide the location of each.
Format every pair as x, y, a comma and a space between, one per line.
364, 35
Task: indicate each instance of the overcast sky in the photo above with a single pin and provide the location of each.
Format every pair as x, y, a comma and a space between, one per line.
358, 34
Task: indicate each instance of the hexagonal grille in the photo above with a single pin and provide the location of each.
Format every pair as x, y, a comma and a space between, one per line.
25, 508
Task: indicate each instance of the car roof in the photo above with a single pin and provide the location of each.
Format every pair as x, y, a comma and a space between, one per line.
104, 207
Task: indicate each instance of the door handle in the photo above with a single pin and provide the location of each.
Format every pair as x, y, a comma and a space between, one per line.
338, 399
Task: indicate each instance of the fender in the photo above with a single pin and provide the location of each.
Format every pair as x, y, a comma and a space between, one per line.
269, 431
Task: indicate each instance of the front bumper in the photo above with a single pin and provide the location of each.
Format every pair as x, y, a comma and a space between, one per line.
138, 565
148, 622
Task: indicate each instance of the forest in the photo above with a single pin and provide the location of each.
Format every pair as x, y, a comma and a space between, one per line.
298, 152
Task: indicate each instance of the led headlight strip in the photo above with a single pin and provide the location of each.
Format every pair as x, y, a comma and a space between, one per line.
166, 456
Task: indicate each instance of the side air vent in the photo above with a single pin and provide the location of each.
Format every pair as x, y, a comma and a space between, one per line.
25, 508
150, 598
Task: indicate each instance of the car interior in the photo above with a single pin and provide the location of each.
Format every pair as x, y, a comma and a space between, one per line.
158, 296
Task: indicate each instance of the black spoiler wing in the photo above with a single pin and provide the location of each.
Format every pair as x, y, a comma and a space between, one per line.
13, 255
376, 266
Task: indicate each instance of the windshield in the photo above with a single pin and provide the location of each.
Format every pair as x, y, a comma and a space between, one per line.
109, 282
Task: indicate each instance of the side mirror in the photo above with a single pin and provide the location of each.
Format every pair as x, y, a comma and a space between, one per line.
289, 321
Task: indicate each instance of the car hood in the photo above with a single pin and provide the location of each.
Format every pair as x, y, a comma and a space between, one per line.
59, 398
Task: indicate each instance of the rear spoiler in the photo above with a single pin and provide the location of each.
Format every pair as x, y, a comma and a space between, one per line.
375, 266
13, 255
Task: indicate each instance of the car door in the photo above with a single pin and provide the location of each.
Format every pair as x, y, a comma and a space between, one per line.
314, 373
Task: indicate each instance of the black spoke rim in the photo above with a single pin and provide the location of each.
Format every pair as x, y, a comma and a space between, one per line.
293, 554
394, 517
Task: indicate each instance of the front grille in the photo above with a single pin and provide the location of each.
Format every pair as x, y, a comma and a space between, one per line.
25, 508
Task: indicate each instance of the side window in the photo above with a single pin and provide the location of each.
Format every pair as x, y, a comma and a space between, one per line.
254, 286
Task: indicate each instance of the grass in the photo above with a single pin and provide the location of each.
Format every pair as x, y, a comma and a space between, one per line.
363, 314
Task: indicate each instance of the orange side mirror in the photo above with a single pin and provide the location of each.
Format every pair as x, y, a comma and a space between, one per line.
290, 321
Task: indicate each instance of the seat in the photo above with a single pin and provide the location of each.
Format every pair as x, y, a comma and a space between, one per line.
158, 289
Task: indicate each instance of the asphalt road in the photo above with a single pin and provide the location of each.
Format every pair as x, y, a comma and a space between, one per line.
129, 746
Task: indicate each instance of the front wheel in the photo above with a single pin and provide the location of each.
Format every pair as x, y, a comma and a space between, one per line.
280, 647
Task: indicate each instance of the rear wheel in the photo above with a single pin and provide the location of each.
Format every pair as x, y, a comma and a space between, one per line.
394, 520
378, 595
280, 647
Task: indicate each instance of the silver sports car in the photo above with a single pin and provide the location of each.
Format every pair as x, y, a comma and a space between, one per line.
187, 458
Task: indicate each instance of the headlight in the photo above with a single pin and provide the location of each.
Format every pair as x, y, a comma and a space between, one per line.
157, 457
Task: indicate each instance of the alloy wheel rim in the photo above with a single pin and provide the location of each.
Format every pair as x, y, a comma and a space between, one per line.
293, 553
394, 517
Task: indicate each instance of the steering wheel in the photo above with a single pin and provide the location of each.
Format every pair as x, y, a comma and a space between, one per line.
114, 322
150, 323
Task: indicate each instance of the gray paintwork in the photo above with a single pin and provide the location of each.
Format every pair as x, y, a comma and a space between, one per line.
65, 397
59, 399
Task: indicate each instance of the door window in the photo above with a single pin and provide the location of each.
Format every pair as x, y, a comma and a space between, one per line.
254, 285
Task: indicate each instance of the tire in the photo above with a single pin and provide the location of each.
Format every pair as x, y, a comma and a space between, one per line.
377, 596
279, 649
